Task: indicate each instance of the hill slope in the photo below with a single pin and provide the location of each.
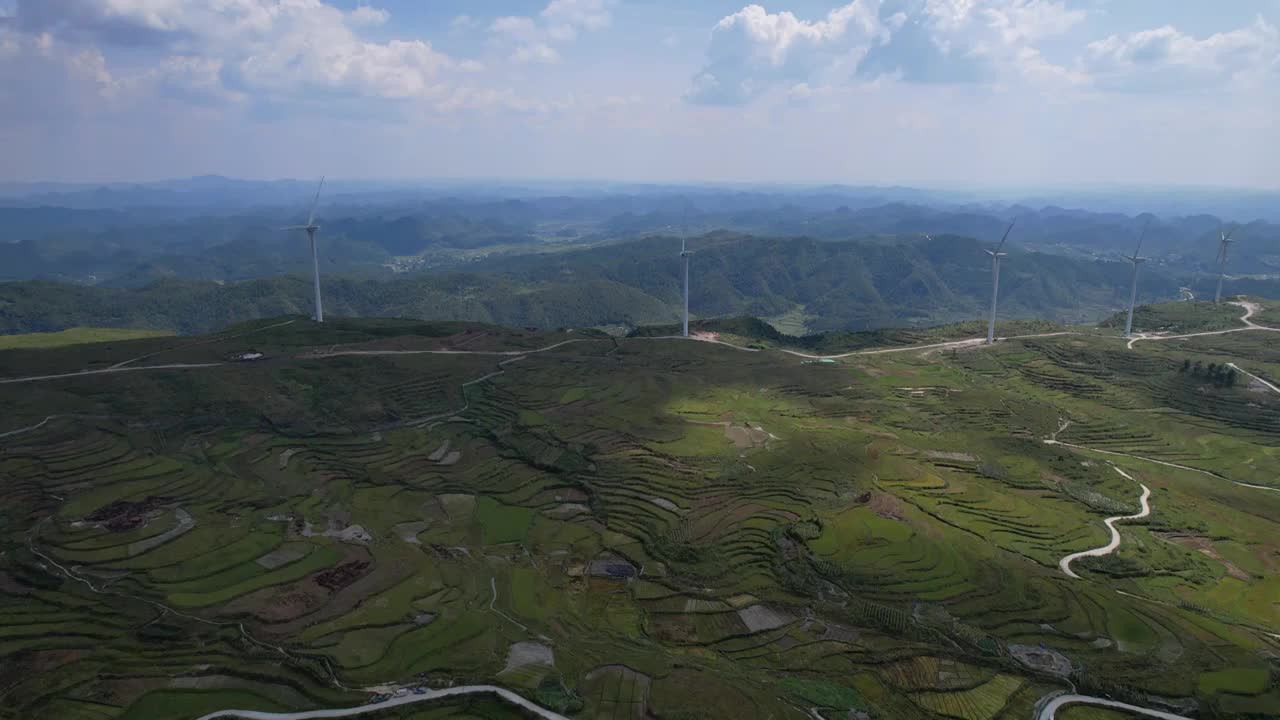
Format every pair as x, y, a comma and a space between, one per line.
634, 526
832, 285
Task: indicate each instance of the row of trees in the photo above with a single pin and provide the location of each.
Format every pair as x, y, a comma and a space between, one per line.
1220, 375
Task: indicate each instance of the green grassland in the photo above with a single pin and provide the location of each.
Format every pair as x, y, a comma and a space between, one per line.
75, 336
1184, 317
636, 527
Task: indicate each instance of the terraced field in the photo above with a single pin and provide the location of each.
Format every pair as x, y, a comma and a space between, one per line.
634, 528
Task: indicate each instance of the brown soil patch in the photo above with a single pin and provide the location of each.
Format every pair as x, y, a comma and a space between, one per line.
384, 576
744, 436
887, 506
1204, 546
286, 603
10, 586
123, 515
945, 455
336, 578
124, 691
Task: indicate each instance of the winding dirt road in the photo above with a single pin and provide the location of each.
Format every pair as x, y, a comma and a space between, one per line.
29, 428
1050, 710
130, 361
501, 353
416, 697
1255, 377
110, 370
1160, 462
932, 346
1250, 309
1065, 563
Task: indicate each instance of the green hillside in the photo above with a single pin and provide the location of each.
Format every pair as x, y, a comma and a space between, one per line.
635, 527
74, 336
821, 286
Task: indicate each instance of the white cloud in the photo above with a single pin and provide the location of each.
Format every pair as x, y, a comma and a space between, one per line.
1166, 58
367, 16
979, 41
31, 65
587, 14
1030, 20
754, 50
915, 41
265, 49
535, 53
506, 100
533, 40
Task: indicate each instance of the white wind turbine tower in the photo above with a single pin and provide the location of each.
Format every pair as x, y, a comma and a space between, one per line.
684, 255
1224, 244
995, 282
1133, 285
311, 227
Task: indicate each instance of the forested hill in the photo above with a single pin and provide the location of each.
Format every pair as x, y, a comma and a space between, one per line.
190, 306
848, 285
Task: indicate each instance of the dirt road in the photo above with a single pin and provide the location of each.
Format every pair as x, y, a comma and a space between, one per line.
1050, 710
1065, 563
1160, 462
504, 353
1255, 377
1250, 309
418, 696
107, 371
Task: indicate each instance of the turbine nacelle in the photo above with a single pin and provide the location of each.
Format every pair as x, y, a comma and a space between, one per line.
1224, 243
996, 253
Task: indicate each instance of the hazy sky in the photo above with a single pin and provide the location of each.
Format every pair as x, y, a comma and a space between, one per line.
948, 93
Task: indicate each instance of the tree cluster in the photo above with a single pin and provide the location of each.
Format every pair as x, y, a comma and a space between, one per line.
1219, 375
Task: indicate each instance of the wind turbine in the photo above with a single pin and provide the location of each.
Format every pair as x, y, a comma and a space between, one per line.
1133, 285
1224, 244
995, 282
311, 227
684, 254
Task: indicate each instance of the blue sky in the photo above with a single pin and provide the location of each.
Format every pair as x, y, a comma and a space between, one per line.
938, 93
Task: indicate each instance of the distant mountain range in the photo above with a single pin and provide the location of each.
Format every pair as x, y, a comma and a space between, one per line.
817, 259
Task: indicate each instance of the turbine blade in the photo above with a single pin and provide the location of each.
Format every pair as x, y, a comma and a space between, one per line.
684, 227
1142, 235
1229, 234
1006, 235
311, 217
